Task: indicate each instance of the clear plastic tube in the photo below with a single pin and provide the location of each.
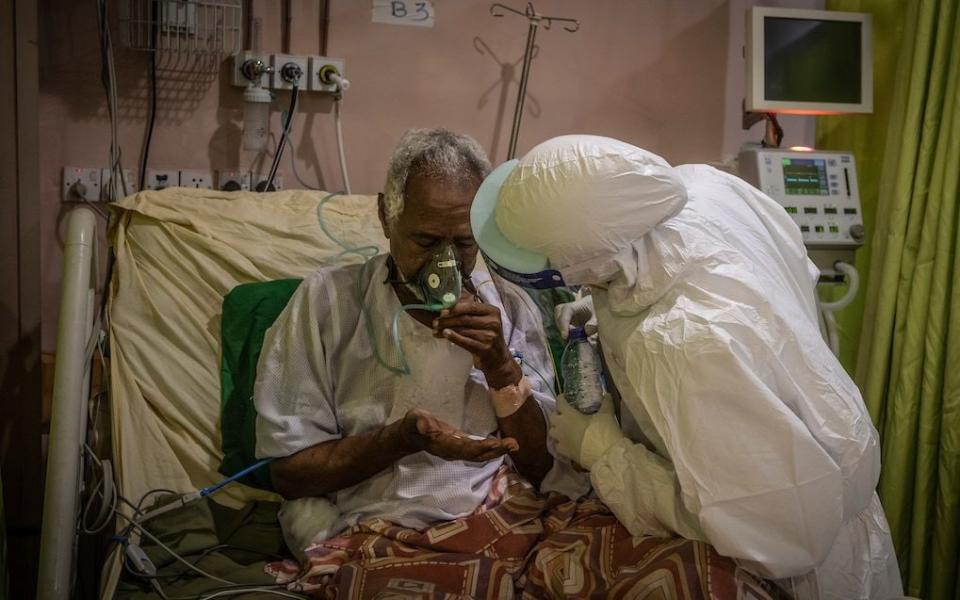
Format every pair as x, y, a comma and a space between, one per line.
367, 252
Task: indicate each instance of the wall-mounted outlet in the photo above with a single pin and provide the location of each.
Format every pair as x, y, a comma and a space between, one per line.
161, 179
233, 181
241, 80
259, 183
81, 184
196, 179
319, 65
286, 66
130, 177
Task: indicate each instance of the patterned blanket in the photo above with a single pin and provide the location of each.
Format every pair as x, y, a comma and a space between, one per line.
516, 545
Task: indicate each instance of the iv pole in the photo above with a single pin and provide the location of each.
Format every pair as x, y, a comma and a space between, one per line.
535, 20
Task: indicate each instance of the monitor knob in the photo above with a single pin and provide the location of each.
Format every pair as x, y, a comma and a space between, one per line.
857, 232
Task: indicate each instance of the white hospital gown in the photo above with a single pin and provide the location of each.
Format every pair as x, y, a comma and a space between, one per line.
319, 380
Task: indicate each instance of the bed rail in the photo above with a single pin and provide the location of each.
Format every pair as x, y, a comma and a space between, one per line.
68, 422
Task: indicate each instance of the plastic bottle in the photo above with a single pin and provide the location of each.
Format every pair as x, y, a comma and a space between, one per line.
582, 373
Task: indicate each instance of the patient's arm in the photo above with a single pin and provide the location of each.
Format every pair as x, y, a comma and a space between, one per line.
337, 464
478, 328
529, 428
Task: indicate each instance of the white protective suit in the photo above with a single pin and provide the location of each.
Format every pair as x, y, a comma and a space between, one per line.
739, 425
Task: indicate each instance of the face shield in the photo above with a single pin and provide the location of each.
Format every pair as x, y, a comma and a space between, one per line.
571, 211
515, 264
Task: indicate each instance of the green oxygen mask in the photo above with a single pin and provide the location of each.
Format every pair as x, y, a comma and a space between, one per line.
440, 280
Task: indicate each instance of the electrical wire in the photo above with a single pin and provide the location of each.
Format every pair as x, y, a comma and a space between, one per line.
116, 186
340, 150
167, 549
105, 489
261, 590
240, 590
296, 173
293, 163
217, 486
148, 140
294, 95
93, 205
209, 551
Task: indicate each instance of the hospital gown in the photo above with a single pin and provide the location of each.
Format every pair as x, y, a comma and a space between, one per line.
319, 380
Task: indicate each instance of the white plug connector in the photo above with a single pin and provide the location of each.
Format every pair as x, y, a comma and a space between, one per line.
139, 561
319, 71
180, 502
330, 75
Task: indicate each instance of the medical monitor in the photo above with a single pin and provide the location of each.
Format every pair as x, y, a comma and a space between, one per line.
808, 61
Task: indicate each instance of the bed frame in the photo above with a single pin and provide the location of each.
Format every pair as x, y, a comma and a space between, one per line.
68, 422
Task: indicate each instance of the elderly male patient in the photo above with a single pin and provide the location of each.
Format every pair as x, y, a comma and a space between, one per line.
335, 407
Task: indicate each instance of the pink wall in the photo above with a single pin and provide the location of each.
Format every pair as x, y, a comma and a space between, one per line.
663, 74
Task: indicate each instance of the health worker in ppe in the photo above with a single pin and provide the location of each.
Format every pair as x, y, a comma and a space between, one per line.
737, 425
413, 433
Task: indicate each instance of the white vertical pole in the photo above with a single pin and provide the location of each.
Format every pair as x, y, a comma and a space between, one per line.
68, 412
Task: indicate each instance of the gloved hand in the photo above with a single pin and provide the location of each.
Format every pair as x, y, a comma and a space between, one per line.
582, 438
578, 313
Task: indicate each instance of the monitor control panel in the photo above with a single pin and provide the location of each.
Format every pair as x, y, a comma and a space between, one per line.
818, 189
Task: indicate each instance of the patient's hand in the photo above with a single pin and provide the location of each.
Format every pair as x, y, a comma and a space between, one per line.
424, 431
478, 328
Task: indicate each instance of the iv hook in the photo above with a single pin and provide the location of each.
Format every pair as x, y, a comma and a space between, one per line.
571, 25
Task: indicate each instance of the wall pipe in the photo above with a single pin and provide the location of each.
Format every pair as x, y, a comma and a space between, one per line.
324, 25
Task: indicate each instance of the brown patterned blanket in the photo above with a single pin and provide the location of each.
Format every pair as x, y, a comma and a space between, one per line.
516, 545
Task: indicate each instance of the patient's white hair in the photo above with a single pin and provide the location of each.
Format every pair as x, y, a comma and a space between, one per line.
432, 153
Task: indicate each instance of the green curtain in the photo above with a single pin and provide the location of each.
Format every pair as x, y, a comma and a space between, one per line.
905, 336
866, 136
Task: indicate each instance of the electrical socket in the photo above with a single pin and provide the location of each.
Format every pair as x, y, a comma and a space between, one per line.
133, 185
196, 179
278, 61
318, 62
233, 181
161, 179
81, 183
259, 182
239, 79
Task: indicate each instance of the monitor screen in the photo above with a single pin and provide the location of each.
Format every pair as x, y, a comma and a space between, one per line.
812, 60
805, 177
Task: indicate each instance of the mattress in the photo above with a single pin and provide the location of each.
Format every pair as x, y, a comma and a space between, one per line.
178, 252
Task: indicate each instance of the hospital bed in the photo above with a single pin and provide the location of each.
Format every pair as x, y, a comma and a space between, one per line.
179, 252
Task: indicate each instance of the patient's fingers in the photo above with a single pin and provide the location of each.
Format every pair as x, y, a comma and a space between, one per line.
469, 321
482, 336
468, 344
460, 447
470, 308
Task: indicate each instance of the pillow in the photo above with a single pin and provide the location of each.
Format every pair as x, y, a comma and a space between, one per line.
248, 311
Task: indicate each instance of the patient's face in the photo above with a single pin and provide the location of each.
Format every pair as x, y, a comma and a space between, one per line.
436, 213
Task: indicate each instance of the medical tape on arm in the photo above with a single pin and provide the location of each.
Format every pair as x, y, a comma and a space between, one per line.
508, 400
